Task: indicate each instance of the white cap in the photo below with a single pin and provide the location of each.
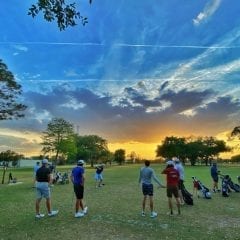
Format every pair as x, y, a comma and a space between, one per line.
170, 163
80, 162
44, 161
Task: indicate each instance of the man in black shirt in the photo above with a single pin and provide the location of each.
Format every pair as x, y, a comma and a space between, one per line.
43, 178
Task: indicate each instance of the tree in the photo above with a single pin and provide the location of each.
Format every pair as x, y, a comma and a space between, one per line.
58, 133
6, 157
9, 92
213, 148
57, 10
192, 149
236, 132
172, 147
119, 156
92, 147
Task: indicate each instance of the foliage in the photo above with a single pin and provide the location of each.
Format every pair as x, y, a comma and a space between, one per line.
10, 90
188, 149
119, 156
92, 148
235, 158
10, 156
58, 10
236, 132
6, 157
172, 147
58, 138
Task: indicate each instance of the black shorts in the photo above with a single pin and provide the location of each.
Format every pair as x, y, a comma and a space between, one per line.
79, 190
172, 190
147, 189
215, 179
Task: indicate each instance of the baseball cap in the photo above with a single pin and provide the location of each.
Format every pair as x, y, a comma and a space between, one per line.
80, 162
44, 161
170, 162
176, 160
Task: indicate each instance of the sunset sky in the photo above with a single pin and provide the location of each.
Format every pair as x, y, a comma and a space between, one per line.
137, 72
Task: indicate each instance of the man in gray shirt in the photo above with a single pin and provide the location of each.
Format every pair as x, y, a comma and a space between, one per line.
145, 177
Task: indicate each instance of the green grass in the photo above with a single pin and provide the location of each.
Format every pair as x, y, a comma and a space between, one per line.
114, 210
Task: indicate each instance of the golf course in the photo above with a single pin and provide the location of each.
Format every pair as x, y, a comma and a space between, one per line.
115, 209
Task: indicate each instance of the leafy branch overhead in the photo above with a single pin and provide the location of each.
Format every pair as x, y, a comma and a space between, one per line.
10, 90
57, 10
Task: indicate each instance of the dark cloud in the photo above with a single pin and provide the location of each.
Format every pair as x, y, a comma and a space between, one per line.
129, 119
186, 99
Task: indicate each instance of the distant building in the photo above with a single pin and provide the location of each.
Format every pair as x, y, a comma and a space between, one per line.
27, 162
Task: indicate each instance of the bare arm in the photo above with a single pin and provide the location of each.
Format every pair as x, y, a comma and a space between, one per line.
157, 180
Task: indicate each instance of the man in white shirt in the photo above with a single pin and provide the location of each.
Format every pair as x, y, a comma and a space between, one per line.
179, 167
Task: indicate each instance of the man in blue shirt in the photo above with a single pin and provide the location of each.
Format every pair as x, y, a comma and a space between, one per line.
214, 175
146, 176
78, 178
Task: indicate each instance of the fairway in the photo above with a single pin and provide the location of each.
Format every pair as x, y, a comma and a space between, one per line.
114, 209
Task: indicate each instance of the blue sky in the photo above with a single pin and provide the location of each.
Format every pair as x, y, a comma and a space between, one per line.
137, 72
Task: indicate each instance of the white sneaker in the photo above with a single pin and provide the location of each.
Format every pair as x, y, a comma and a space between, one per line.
85, 210
53, 213
78, 215
40, 215
153, 215
143, 214
170, 214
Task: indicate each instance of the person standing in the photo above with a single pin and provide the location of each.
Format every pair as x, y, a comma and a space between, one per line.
172, 186
214, 175
78, 180
145, 178
179, 167
98, 175
43, 179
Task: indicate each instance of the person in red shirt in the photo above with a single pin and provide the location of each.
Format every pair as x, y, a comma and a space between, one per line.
172, 185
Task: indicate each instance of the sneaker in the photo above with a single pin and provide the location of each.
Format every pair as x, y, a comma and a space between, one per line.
170, 214
53, 213
78, 215
40, 215
143, 214
153, 215
85, 210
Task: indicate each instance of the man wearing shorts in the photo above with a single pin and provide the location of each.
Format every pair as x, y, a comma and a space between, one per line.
179, 167
214, 175
77, 178
43, 179
145, 177
172, 185
98, 176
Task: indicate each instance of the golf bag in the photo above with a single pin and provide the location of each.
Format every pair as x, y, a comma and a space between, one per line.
202, 188
187, 196
228, 185
225, 186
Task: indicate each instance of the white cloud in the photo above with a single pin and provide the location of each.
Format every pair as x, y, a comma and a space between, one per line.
207, 12
21, 48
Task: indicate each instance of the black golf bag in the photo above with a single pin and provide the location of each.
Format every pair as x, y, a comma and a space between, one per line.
187, 196
225, 186
228, 185
202, 188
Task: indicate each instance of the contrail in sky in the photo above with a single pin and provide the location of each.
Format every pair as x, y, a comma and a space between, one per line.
120, 45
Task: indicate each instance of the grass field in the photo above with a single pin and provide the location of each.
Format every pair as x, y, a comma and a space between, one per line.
114, 210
